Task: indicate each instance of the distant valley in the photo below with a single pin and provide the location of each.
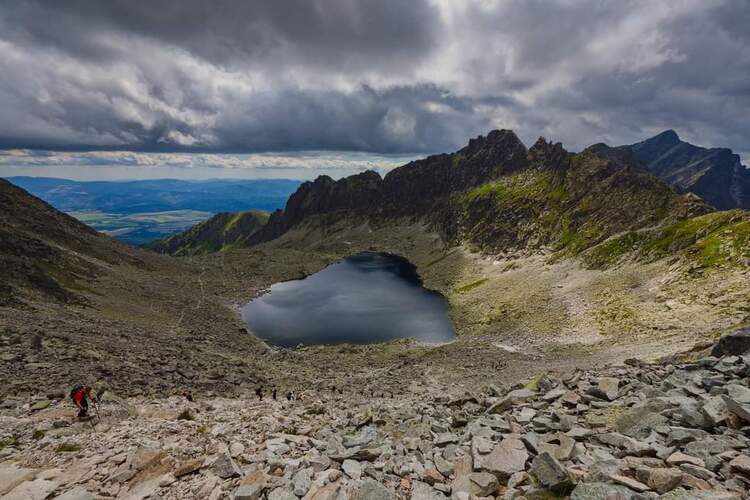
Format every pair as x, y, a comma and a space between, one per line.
144, 210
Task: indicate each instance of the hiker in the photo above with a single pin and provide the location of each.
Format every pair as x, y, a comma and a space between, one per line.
274, 394
259, 393
80, 394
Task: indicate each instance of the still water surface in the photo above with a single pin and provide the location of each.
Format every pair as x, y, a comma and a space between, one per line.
366, 298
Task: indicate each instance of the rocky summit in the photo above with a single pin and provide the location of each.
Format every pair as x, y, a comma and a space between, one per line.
675, 429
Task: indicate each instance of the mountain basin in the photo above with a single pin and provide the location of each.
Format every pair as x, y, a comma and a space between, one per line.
367, 298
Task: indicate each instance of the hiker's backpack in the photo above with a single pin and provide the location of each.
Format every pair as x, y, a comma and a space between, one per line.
75, 389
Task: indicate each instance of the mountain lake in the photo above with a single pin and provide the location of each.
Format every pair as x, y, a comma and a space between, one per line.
367, 298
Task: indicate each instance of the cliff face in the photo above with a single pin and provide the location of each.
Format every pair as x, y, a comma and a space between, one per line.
418, 189
714, 174
497, 195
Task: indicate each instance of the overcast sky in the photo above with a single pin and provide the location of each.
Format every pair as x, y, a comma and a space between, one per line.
381, 78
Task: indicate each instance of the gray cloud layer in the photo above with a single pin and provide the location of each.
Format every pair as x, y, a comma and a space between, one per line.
386, 76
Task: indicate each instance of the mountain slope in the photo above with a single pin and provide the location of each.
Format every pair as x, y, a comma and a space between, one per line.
222, 231
498, 196
45, 251
714, 174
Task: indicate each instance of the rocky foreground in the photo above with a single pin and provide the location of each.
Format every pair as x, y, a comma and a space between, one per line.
675, 430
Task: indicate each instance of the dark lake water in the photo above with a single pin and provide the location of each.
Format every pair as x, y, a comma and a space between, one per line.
367, 298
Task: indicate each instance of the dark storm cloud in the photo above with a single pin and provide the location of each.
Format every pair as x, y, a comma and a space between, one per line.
386, 76
331, 32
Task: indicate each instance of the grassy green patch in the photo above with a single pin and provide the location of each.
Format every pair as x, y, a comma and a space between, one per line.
533, 384
709, 240
615, 311
262, 217
613, 249
526, 186
471, 286
11, 441
185, 415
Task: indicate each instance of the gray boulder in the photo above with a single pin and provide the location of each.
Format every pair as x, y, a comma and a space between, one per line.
369, 489
739, 393
602, 491
506, 458
248, 492
483, 483
660, 479
302, 481
606, 388
551, 474
733, 344
225, 467
715, 410
737, 408
423, 491
281, 494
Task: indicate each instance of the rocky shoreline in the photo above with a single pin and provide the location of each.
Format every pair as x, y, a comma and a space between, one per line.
672, 429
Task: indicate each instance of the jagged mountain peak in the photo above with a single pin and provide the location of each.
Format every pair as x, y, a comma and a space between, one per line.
548, 154
665, 138
714, 174
497, 137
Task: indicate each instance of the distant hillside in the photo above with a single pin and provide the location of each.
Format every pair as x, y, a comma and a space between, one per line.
138, 212
714, 174
220, 232
45, 251
162, 195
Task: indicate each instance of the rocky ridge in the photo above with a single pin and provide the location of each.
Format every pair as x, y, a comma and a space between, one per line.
498, 196
714, 174
675, 429
221, 232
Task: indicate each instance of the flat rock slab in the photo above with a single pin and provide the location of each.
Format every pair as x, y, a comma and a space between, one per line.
369, 489
38, 489
601, 491
76, 494
12, 475
506, 458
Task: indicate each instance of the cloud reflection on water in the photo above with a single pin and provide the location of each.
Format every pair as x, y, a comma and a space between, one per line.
366, 298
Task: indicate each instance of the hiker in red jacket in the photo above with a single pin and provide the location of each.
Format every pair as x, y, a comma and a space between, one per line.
80, 396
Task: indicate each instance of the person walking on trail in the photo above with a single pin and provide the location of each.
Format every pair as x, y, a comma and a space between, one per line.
81, 395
